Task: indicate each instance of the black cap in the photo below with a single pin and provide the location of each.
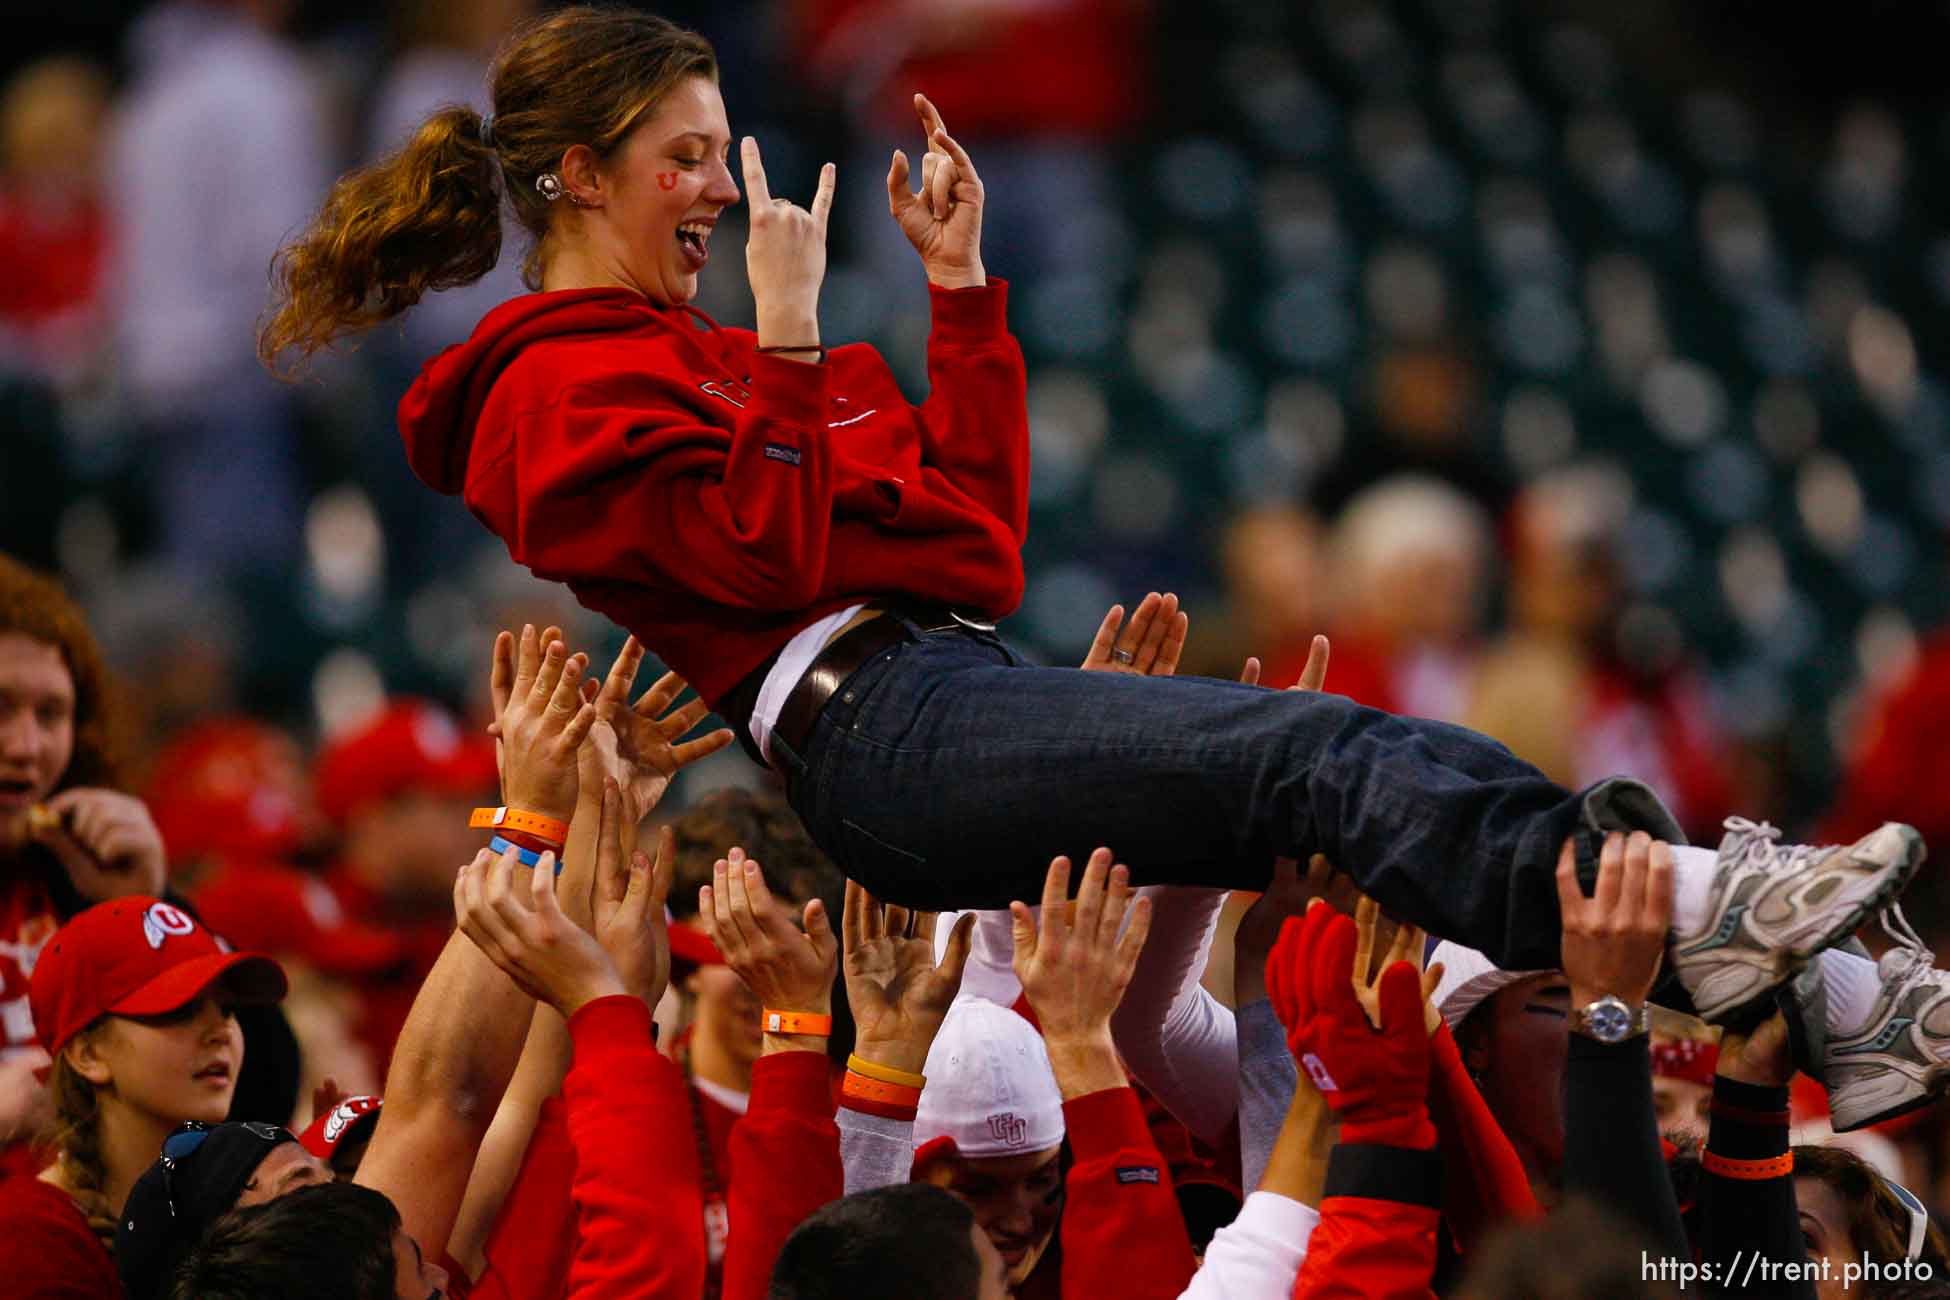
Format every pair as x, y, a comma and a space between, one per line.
204, 1183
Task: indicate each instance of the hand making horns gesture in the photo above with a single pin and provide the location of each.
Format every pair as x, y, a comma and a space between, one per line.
943, 221
785, 256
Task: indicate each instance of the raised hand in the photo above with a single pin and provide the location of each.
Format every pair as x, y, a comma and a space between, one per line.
637, 745
540, 721
785, 968
899, 994
1375, 1078
944, 221
627, 898
106, 841
511, 914
1150, 646
785, 256
1614, 940
1075, 973
1408, 944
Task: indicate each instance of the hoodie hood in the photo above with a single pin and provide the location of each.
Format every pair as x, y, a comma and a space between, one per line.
438, 413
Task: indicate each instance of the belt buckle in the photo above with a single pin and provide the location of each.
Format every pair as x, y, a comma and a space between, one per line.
972, 624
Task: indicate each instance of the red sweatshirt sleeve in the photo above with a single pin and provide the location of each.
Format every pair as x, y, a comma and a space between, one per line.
785, 1163
975, 423
533, 1240
1483, 1180
637, 1195
1123, 1234
1376, 1236
620, 479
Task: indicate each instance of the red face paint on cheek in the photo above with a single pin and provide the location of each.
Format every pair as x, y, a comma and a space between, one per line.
666, 180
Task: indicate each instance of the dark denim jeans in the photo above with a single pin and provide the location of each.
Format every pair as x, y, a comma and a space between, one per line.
946, 773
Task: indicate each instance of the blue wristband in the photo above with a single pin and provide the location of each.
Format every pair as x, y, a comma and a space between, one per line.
527, 857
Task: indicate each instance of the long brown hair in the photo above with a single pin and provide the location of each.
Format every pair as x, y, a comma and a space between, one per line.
1878, 1223
33, 605
429, 216
74, 1136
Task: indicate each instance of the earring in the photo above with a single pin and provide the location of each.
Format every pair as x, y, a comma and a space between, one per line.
550, 186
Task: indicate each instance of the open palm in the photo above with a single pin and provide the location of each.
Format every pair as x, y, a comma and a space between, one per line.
639, 744
898, 993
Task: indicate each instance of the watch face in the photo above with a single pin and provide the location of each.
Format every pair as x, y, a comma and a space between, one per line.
1610, 1021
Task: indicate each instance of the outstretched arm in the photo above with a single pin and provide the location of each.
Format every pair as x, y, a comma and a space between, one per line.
785, 1152
1122, 1230
465, 1031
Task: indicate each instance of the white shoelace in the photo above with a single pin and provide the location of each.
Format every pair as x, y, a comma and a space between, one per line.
1911, 959
1762, 846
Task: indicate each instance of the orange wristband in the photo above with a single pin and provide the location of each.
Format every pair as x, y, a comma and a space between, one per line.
859, 1087
1749, 1171
797, 1022
506, 819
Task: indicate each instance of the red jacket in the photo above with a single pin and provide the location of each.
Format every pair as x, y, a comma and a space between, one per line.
636, 1181
1483, 1180
1122, 1231
785, 1163
714, 501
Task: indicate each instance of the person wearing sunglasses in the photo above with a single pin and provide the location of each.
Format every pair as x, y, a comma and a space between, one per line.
134, 1001
204, 1172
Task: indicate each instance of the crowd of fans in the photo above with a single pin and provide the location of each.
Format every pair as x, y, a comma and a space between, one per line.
635, 1053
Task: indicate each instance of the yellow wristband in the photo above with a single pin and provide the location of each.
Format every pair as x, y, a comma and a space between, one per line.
885, 1073
809, 1023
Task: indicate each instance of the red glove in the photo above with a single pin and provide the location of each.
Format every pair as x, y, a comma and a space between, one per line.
1375, 1081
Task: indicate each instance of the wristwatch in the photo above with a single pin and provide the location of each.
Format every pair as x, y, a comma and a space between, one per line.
1609, 1020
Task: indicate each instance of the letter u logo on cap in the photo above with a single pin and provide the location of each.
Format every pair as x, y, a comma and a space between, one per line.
162, 920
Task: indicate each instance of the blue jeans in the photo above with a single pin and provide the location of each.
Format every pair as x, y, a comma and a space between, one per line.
945, 773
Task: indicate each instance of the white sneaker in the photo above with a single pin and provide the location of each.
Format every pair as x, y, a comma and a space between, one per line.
1899, 1058
1772, 906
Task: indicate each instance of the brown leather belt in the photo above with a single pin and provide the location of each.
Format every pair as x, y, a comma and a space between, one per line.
847, 654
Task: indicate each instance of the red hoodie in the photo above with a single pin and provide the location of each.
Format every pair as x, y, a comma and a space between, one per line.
714, 501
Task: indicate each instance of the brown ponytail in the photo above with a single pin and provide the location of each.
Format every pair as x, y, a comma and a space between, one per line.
74, 1138
429, 217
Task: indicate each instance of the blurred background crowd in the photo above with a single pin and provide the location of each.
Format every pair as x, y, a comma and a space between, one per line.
1572, 368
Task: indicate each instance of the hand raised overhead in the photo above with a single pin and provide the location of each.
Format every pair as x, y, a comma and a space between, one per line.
785, 255
944, 221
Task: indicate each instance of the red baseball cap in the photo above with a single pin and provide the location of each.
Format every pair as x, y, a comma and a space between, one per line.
411, 745
343, 1122
275, 909
230, 787
136, 956
691, 946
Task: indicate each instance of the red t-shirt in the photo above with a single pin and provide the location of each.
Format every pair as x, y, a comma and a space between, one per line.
47, 1250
